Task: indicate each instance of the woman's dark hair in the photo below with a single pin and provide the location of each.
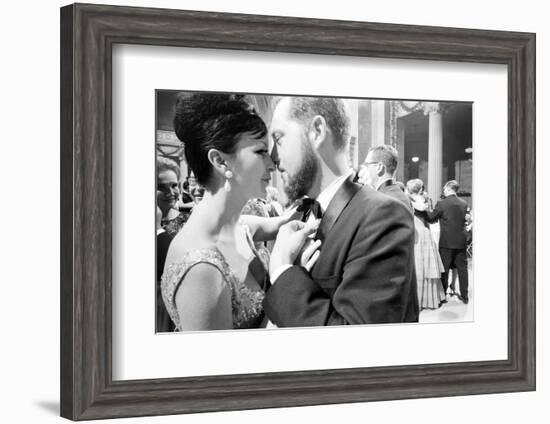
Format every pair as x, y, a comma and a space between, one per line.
205, 121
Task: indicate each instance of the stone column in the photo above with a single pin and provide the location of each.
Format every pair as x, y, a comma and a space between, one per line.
400, 176
435, 150
352, 109
378, 122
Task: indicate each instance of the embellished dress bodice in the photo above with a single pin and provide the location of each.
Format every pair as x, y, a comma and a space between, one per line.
172, 226
246, 302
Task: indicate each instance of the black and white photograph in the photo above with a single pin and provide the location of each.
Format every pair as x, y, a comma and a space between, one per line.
304, 211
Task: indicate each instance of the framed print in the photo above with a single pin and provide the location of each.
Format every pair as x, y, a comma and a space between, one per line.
143, 90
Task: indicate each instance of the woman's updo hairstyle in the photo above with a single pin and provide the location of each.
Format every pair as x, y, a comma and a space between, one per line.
207, 121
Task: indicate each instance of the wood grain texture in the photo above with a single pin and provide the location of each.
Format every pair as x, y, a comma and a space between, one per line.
66, 212
88, 33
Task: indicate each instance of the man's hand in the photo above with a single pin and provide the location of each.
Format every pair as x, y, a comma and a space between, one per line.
310, 253
289, 242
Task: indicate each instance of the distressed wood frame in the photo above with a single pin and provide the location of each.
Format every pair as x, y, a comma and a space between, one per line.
88, 33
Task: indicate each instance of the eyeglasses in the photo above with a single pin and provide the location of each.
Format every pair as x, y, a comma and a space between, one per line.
370, 163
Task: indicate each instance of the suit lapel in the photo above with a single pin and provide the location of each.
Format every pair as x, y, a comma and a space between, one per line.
340, 200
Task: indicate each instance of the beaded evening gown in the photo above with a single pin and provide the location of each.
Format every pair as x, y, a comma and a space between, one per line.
246, 303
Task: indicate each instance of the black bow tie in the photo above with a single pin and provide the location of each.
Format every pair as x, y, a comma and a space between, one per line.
308, 207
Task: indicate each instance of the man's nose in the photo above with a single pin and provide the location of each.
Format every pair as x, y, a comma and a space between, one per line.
270, 164
275, 156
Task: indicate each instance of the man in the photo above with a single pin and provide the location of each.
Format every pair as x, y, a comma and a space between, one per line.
378, 171
451, 212
365, 271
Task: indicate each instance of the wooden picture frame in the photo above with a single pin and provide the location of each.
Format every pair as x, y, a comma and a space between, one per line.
88, 33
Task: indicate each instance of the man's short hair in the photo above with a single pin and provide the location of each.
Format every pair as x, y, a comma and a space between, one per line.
387, 155
332, 109
415, 186
452, 185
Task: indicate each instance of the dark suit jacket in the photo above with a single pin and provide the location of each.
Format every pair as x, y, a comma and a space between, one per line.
163, 321
365, 273
451, 213
391, 189
163, 243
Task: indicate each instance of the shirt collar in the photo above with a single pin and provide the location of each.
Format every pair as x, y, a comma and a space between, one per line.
381, 183
329, 192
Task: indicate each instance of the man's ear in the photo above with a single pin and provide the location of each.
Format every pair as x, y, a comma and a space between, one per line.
318, 131
218, 161
381, 169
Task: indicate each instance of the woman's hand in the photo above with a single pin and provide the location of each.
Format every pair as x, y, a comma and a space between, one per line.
263, 228
291, 213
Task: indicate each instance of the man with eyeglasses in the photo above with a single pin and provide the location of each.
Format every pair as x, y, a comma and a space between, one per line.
378, 171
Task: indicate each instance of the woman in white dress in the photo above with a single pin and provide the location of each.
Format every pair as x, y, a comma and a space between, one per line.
214, 277
427, 260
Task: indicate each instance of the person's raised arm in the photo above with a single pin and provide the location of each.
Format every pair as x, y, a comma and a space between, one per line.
263, 228
431, 216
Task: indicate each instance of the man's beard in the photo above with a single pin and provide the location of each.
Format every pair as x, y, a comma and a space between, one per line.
299, 184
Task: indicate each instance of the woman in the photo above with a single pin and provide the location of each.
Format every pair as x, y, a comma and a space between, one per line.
168, 193
213, 277
197, 194
427, 261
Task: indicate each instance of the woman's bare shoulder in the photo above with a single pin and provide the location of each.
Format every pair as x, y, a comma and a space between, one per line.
187, 240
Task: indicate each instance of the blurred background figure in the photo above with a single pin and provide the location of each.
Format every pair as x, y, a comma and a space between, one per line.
451, 212
275, 206
168, 196
401, 186
197, 194
163, 321
192, 182
427, 260
185, 194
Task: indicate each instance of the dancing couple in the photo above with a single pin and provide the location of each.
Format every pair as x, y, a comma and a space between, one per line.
343, 253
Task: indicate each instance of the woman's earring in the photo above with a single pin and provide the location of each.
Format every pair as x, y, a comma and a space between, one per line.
228, 175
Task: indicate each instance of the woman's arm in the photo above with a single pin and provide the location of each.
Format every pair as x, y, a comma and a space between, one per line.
203, 300
263, 229
418, 203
